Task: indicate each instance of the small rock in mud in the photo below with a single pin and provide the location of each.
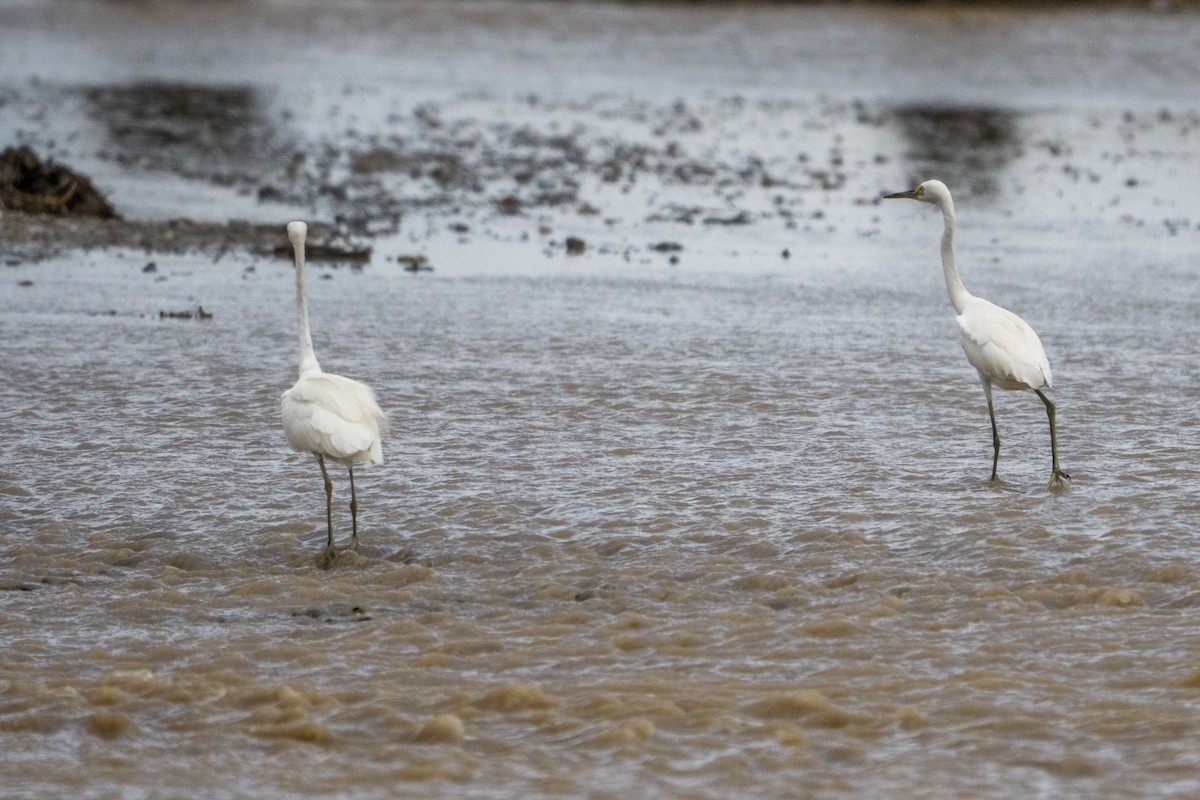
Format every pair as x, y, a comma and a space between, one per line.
509, 205
666, 247
575, 245
415, 262
29, 184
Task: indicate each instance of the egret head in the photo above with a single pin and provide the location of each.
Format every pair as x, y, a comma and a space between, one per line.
933, 191
296, 233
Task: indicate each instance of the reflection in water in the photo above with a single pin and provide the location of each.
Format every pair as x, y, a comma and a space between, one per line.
964, 146
183, 128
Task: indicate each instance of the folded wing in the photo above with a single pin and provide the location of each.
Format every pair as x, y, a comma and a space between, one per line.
1003, 347
334, 416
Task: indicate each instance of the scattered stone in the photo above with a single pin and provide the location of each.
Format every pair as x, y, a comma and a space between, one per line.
666, 247
414, 262
509, 206
150, 267
329, 253
575, 245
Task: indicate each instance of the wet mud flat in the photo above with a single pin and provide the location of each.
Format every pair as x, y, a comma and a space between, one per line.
633, 177
524, 120
685, 495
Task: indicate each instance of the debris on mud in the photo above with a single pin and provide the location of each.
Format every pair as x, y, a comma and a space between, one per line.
414, 262
199, 313
328, 253
36, 186
39, 236
740, 218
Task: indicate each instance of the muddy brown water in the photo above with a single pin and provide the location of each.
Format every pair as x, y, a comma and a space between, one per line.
706, 528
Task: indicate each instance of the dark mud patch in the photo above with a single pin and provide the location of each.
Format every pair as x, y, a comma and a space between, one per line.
34, 237
507, 166
965, 145
33, 185
222, 134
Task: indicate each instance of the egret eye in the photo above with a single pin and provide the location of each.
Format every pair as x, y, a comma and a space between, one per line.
920, 191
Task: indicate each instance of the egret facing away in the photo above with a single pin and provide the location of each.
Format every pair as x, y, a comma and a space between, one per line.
328, 415
999, 344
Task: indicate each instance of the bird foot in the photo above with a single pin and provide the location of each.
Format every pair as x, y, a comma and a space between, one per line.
1059, 481
329, 557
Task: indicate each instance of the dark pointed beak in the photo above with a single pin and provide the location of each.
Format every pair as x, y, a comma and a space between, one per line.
910, 194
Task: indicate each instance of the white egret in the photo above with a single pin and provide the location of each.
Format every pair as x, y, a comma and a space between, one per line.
329, 415
1000, 345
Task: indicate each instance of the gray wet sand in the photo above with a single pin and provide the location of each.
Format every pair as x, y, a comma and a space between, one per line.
694, 520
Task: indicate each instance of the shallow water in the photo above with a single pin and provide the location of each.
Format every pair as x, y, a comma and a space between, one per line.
670, 530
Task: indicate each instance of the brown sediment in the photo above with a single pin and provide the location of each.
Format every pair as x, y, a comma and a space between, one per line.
36, 186
39, 236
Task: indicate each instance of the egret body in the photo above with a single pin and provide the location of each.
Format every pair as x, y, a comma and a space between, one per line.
1000, 345
328, 415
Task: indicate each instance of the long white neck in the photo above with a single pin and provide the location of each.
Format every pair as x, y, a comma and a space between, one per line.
308, 359
954, 285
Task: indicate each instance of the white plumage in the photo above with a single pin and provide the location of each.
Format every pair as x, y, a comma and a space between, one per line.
1004, 350
329, 415
334, 416
1003, 347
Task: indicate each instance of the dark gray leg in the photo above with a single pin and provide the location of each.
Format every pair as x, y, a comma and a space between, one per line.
987, 392
330, 550
1058, 478
353, 512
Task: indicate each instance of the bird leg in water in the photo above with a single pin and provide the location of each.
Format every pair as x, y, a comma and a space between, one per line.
1058, 478
330, 550
353, 512
987, 391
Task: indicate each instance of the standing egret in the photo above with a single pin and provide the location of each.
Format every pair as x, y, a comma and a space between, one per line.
328, 415
1000, 345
